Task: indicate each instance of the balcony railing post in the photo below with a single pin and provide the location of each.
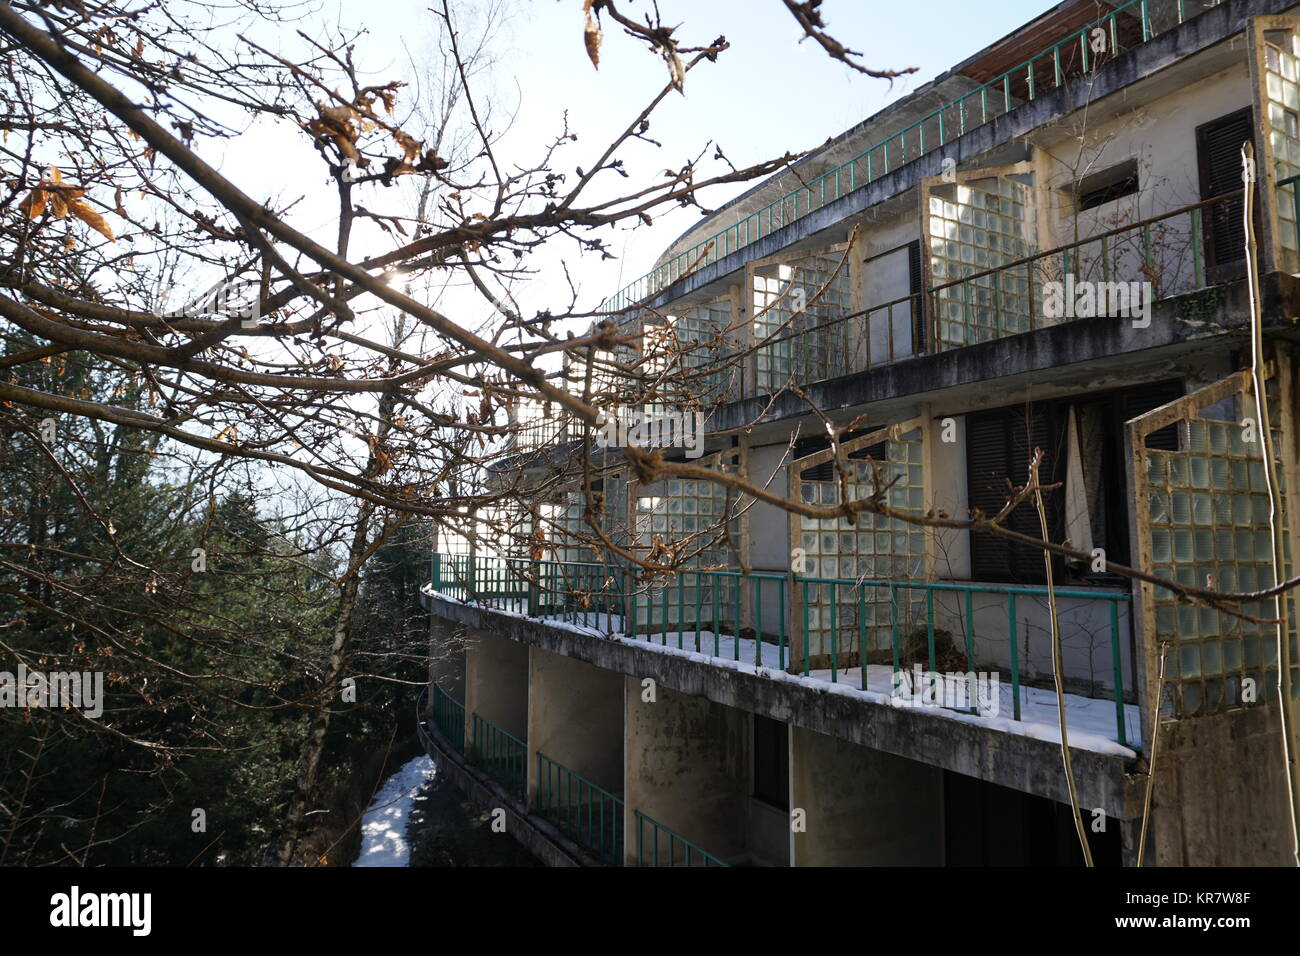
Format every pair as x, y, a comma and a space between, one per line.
862, 634
1119, 672
1014, 653
970, 639
803, 633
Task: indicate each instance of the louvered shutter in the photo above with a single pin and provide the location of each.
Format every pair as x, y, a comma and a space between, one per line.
999, 446
916, 285
987, 442
1141, 399
1218, 146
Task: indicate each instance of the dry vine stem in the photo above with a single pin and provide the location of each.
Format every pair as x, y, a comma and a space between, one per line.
1057, 671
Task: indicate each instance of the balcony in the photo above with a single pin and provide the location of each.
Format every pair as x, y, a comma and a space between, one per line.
897, 642
1074, 42
806, 331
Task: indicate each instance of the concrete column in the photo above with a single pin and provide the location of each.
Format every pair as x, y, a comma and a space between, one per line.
575, 717
496, 683
863, 807
687, 767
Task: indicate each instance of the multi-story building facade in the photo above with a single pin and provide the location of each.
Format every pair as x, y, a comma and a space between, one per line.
1047, 247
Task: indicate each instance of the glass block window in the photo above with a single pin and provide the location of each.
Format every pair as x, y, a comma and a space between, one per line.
611, 385
667, 513
564, 528
613, 520
810, 345
1282, 92
973, 227
875, 549
571, 539
704, 343
1208, 509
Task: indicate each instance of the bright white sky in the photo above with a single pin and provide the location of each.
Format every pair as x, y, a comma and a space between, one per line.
766, 95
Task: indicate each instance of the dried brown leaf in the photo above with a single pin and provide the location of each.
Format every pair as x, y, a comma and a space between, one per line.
91, 218
591, 36
34, 204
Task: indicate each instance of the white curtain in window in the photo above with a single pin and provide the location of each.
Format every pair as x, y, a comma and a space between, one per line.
1078, 520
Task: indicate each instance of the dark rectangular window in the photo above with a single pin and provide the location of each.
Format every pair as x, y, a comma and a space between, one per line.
998, 447
771, 762
1108, 184
990, 825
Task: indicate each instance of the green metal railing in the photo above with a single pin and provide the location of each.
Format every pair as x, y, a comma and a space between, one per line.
900, 602
737, 616
656, 845
589, 814
593, 594
1129, 25
503, 755
579, 592
449, 718
707, 609
482, 578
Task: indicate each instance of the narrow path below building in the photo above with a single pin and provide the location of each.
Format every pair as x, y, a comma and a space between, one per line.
418, 818
383, 826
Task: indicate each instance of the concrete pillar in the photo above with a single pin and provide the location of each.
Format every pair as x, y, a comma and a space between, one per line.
687, 768
496, 683
863, 807
575, 717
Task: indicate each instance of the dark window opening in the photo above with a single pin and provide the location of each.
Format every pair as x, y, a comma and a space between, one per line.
998, 447
1282, 39
771, 762
879, 452
990, 825
1107, 185
826, 470
823, 472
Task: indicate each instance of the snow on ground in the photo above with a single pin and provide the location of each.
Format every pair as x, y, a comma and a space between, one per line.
1090, 722
383, 826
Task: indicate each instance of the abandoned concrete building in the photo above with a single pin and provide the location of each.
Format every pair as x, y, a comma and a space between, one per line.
1048, 246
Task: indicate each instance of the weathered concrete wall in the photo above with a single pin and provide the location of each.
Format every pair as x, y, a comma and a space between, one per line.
687, 767
1160, 134
1220, 794
863, 807
575, 717
496, 682
769, 536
